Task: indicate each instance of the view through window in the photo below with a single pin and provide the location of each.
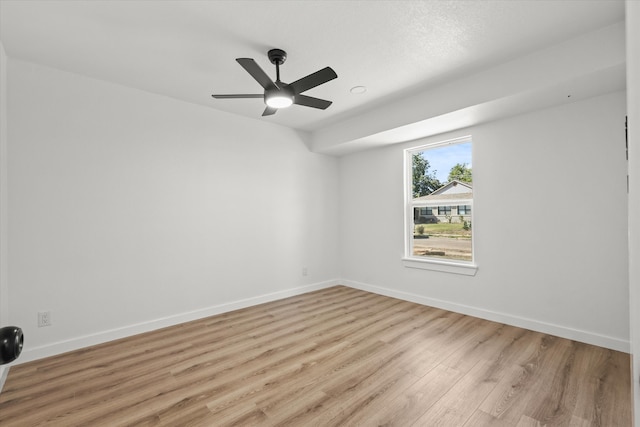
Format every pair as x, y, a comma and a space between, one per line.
440, 201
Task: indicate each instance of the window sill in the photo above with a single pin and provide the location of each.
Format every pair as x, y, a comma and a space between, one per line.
442, 266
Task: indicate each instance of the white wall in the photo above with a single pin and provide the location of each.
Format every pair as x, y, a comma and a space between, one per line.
128, 208
633, 110
131, 211
549, 258
4, 304
4, 290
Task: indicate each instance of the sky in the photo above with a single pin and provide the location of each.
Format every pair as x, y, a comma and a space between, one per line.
442, 159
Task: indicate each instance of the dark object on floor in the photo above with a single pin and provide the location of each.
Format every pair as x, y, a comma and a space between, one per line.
11, 341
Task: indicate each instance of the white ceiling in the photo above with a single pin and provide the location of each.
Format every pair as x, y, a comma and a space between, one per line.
187, 49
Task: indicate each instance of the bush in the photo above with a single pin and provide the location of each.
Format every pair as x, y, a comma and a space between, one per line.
420, 229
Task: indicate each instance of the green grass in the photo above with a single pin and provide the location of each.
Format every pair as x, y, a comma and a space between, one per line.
443, 229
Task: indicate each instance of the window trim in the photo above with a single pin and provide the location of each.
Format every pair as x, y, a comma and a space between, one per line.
455, 267
468, 268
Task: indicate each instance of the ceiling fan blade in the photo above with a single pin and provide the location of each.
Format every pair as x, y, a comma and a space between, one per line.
313, 80
238, 96
269, 111
257, 73
309, 101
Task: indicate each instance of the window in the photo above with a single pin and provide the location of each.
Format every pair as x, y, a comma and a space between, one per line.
438, 206
464, 210
444, 210
423, 212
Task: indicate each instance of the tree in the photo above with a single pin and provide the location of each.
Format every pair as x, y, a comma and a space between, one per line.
424, 182
460, 172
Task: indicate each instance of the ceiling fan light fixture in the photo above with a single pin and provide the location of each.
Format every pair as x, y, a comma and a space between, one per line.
278, 100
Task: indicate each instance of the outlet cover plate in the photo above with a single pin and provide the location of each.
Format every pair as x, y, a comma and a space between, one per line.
44, 319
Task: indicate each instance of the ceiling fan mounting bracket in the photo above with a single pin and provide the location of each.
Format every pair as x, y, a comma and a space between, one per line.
277, 56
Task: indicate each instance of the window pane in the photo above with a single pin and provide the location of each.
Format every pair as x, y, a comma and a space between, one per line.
443, 180
464, 210
444, 210
424, 216
442, 240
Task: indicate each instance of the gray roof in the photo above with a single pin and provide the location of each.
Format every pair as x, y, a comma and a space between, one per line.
444, 197
437, 197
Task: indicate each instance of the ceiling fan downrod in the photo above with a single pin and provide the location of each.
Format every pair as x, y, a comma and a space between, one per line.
277, 57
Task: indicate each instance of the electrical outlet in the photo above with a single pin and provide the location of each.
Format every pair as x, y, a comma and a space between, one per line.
305, 271
44, 319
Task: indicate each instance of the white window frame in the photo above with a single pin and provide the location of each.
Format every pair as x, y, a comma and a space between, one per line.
468, 268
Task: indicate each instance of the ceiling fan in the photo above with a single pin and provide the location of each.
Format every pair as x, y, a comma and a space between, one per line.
281, 95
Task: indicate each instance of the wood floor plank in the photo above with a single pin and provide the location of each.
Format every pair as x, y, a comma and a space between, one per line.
481, 418
338, 356
356, 407
459, 403
409, 405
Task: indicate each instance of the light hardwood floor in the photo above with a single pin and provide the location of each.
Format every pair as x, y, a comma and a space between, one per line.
335, 357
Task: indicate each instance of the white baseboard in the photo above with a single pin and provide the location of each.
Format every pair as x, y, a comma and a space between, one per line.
509, 319
4, 371
30, 354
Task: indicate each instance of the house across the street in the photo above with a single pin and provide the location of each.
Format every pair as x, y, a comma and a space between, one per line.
450, 203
